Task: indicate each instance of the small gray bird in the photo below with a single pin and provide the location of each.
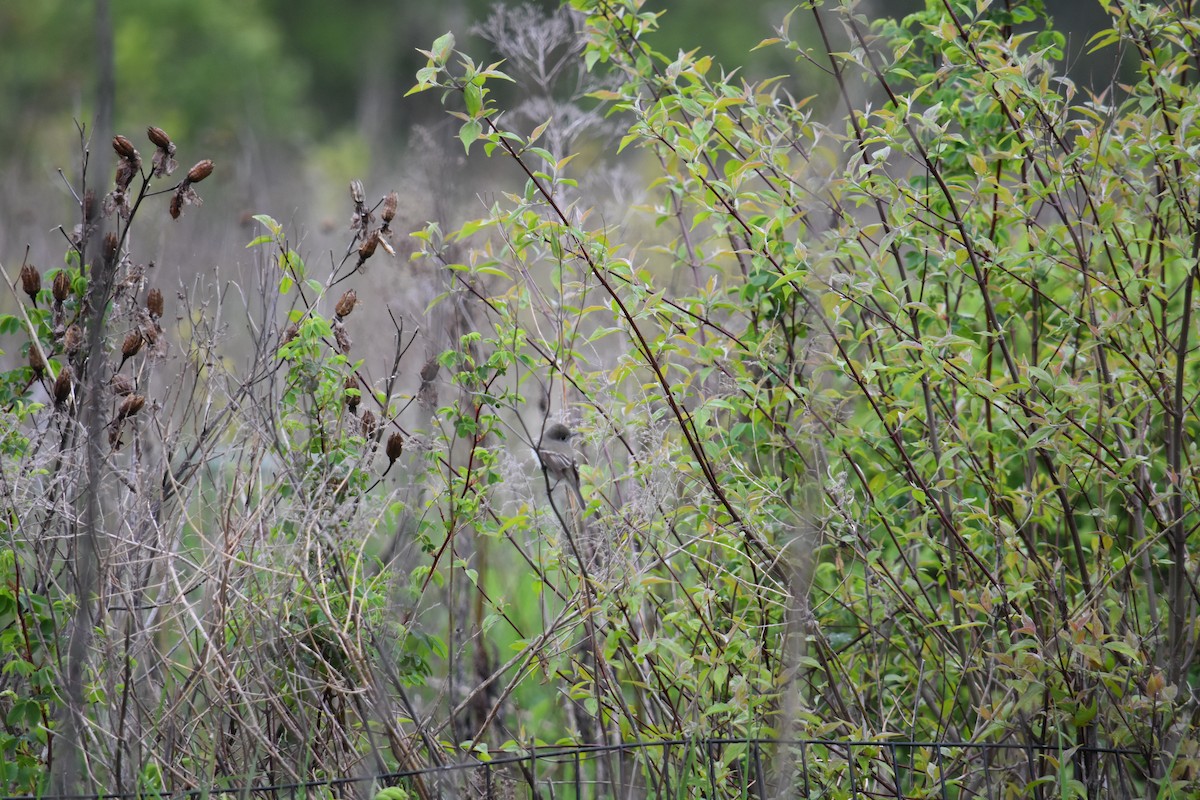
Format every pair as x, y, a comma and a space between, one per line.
557, 458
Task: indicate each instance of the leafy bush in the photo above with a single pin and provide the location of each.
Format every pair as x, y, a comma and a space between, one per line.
884, 432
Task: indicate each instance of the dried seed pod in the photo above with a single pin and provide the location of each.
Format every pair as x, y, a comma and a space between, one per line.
356, 192
31, 281
342, 337
73, 339
200, 171
176, 206
367, 421
154, 303
131, 345
130, 406
111, 244
62, 386
36, 361
158, 137
61, 286
90, 207
125, 148
395, 446
121, 384
367, 248
430, 370
353, 394
346, 303
388, 212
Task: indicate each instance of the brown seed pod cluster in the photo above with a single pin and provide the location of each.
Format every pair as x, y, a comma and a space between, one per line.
164, 155
121, 384
154, 304
130, 406
31, 281
388, 213
62, 386
395, 447
36, 361
345, 304
342, 337
184, 194
61, 288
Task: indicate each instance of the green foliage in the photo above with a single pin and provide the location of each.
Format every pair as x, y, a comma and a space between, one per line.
930, 381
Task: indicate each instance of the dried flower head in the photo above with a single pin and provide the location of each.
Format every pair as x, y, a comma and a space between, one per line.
73, 339
154, 303
353, 394
36, 361
31, 281
430, 370
367, 248
61, 288
395, 446
131, 345
130, 406
158, 137
90, 208
342, 337
356, 192
111, 245
62, 386
388, 213
121, 384
200, 171
346, 303
164, 162
367, 422
124, 148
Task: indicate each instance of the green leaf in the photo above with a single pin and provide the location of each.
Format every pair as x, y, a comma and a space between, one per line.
443, 46
468, 133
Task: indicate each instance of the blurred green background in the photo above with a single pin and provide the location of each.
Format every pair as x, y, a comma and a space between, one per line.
291, 98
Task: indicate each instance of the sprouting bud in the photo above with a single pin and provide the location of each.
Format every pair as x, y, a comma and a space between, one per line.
346, 303
131, 345
158, 137
353, 394
62, 386
111, 243
367, 421
37, 362
130, 406
31, 281
125, 148
121, 384
367, 249
388, 212
61, 286
73, 339
356, 192
154, 303
395, 446
200, 171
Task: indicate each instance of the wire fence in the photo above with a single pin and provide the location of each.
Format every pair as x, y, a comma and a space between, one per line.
736, 768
